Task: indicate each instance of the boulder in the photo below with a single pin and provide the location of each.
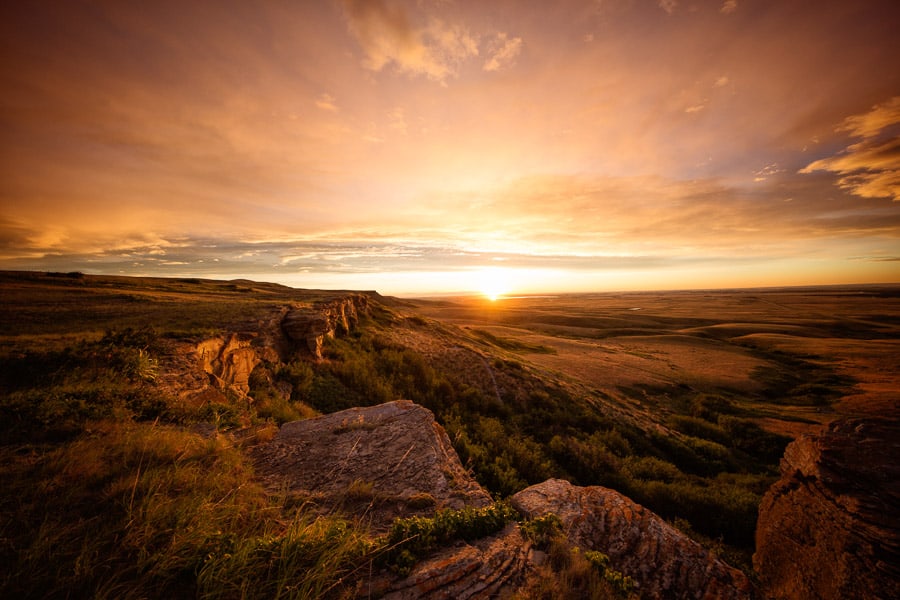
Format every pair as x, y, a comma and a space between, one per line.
662, 561
394, 457
830, 527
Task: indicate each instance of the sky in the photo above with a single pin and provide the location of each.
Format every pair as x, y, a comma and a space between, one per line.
433, 146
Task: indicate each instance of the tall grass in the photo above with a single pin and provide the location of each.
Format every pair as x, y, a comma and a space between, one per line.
141, 510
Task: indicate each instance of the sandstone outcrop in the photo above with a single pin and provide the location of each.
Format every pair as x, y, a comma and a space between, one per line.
830, 527
311, 326
395, 457
487, 568
663, 562
394, 460
229, 361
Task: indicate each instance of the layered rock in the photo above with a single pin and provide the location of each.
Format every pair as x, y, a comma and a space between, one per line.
830, 527
395, 456
663, 562
228, 361
311, 326
488, 568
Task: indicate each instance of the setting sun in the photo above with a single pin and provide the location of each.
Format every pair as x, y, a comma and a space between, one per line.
494, 282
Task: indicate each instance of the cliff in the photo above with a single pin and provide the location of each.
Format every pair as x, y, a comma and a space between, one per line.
228, 360
830, 527
325, 319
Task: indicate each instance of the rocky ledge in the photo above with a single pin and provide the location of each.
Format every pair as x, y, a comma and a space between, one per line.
830, 527
325, 319
663, 562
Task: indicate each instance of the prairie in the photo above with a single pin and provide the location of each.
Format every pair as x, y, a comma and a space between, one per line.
683, 401
796, 358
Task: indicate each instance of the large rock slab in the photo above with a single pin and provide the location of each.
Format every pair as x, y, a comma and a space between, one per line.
394, 454
830, 527
663, 562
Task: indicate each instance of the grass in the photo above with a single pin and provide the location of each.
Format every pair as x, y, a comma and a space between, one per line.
134, 510
114, 489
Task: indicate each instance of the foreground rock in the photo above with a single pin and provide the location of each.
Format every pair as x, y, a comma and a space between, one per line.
663, 562
493, 567
830, 528
394, 458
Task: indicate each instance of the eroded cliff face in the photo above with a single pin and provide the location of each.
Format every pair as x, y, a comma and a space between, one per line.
229, 361
310, 326
830, 527
206, 371
663, 562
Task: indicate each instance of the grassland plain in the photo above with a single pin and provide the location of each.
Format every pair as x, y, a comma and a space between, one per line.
683, 401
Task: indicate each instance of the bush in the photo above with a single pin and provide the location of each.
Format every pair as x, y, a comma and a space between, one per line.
413, 537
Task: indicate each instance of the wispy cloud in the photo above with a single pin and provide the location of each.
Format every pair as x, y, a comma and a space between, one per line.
388, 36
668, 5
326, 102
729, 6
503, 52
869, 168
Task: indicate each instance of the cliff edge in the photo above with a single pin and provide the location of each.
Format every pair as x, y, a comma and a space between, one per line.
830, 527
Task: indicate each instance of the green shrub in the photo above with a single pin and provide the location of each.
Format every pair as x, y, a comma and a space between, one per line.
697, 427
412, 538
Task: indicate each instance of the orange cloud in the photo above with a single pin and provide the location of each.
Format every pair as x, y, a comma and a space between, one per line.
869, 168
387, 36
504, 51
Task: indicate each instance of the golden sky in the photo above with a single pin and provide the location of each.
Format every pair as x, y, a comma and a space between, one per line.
426, 146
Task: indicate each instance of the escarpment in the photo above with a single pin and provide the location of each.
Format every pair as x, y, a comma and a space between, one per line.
208, 370
830, 527
325, 319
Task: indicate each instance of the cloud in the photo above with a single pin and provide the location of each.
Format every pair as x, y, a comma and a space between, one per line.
729, 7
766, 172
869, 168
721, 81
872, 123
397, 120
668, 5
326, 102
388, 37
504, 51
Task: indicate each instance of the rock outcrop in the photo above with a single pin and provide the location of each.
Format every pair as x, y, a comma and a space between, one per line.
228, 361
830, 527
663, 562
311, 326
487, 568
393, 460
395, 457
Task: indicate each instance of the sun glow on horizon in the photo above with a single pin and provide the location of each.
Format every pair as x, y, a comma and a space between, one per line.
494, 282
